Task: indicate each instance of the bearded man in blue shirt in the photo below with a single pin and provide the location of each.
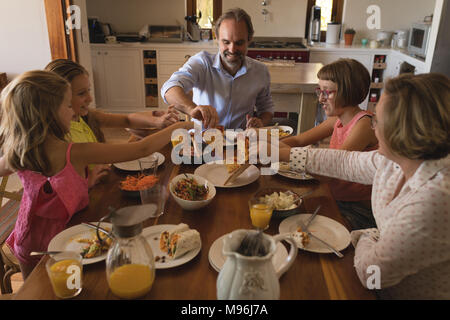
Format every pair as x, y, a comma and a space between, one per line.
228, 88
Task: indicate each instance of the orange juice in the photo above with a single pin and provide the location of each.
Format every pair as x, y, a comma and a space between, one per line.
131, 281
260, 214
175, 142
59, 277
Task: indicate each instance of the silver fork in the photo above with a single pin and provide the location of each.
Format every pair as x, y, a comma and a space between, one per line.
305, 229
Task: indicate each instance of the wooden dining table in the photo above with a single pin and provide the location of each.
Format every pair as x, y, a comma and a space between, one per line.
311, 276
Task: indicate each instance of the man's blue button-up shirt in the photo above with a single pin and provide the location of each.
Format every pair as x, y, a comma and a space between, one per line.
233, 97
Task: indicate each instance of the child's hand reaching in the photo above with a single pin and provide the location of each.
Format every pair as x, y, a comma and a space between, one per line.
163, 119
97, 173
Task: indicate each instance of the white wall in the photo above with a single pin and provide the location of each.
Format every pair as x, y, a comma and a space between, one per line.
395, 15
132, 15
286, 17
24, 43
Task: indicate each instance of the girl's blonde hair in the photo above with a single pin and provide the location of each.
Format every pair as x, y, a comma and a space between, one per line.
416, 117
29, 114
69, 69
352, 80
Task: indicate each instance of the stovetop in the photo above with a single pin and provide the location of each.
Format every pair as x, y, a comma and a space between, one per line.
277, 43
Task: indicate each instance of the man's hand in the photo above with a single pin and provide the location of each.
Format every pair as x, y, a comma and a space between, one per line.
254, 122
207, 114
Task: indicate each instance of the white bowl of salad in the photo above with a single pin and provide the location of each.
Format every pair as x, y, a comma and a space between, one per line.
191, 191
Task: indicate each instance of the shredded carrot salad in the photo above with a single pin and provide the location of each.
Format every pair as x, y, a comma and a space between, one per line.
132, 183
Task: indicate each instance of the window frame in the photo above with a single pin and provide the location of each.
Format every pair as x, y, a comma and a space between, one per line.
191, 8
336, 12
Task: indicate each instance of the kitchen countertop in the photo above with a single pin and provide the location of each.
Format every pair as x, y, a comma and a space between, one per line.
301, 76
358, 48
211, 44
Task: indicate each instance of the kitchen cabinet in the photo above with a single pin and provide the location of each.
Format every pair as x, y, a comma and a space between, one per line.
169, 61
118, 79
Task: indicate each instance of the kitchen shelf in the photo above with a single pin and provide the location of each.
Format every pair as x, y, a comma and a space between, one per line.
151, 81
379, 65
376, 85
149, 61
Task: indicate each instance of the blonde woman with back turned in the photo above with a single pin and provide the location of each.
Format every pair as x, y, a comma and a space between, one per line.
410, 172
35, 119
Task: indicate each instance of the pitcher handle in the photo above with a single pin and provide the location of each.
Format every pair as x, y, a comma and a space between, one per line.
292, 252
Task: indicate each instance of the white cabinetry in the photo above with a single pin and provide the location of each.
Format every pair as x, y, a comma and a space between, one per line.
169, 61
118, 79
393, 62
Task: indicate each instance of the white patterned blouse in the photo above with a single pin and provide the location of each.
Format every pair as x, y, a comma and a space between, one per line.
411, 245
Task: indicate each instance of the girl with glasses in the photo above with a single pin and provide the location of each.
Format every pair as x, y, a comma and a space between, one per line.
343, 85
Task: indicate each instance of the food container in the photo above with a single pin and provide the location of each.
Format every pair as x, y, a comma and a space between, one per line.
130, 265
188, 204
279, 213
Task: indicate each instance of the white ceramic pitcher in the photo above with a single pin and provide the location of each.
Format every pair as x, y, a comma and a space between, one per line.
251, 278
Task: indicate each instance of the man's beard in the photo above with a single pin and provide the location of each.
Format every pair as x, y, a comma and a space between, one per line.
233, 64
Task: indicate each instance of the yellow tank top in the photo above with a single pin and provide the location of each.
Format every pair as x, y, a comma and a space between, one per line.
80, 132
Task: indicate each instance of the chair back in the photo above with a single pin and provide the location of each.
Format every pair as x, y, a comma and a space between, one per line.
7, 194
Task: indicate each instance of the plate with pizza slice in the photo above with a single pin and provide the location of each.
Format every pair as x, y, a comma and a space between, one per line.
218, 174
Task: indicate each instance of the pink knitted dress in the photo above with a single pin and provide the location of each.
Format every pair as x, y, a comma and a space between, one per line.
344, 190
42, 215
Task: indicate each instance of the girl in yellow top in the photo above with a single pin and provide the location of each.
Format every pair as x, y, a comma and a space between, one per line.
87, 122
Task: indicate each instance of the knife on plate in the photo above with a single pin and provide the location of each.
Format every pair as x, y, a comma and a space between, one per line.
236, 173
305, 229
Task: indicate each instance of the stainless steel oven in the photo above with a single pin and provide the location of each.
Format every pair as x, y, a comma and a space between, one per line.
274, 48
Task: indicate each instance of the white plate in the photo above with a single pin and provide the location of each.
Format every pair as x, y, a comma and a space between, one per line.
227, 140
152, 235
293, 175
66, 240
325, 228
217, 259
284, 128
217, 174
134, 164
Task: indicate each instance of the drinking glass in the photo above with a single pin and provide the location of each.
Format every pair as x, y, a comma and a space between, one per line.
65, 271
156, 196
149, 164
260, 213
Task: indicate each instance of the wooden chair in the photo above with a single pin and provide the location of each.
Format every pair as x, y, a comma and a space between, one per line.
8, 215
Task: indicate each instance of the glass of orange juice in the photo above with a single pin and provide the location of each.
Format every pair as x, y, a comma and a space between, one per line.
65, 271
260, 213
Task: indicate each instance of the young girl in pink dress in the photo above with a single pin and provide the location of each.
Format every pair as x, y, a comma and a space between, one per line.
35, 119
343, 85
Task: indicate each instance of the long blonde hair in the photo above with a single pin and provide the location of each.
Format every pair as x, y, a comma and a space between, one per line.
69, 69
29, 114
416, 115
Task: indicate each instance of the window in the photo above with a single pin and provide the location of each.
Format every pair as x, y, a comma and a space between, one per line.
326, 7
331, 10
210, 9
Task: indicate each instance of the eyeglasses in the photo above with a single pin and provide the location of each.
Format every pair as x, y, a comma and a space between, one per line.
325, 93
373, 122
